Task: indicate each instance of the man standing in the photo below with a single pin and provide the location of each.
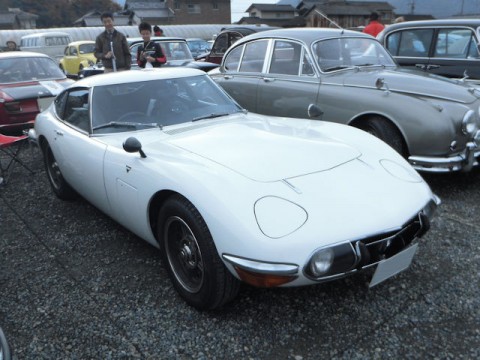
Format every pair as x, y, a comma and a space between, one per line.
111, 47
374, 27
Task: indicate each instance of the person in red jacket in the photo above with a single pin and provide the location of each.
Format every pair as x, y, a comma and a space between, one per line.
374, 27
149, 54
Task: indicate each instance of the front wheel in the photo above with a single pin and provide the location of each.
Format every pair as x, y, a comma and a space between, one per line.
385, 131
60, 186
191, 258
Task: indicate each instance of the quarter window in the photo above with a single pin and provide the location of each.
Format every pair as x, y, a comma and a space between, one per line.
233, 59
76, 109
456, 43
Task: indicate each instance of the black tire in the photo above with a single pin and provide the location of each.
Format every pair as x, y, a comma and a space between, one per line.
80, 69
59, 185
191, 258
385, 131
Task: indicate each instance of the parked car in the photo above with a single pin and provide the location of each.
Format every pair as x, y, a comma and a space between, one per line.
226, 38
5, 351
49, 43
78, 55
175, 49
28, 83
431, 120
198, 46
229, 195
446, 47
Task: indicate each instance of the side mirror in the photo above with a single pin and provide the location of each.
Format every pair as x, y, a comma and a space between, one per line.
132, 145
314, 111
5, 352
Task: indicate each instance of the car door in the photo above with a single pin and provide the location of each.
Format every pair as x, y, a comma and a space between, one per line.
71, 60
455, 53
411, 47
241, 70
79, 156
289, 84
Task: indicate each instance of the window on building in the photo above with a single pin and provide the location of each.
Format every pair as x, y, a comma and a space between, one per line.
214, 5
193, 8
177, 4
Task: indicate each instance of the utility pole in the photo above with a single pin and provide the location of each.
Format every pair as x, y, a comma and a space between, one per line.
412, 7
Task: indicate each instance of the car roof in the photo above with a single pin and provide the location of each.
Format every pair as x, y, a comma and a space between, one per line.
308, 35
132, 76
247, 29
134, 40
80, 42
433, 23
22, 54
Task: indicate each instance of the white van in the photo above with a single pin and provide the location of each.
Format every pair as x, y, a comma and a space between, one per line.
50, 43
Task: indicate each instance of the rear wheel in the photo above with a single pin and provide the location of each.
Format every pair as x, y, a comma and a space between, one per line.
385, 131
80, 69
191, 258
59, 185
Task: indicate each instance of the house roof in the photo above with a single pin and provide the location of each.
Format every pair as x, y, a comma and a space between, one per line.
297, 21
271, 7
359, 8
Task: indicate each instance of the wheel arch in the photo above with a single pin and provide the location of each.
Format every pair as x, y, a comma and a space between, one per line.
360, 119
156, 202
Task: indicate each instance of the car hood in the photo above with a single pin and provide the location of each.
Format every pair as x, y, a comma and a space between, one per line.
411, 82
36, 89
264, 151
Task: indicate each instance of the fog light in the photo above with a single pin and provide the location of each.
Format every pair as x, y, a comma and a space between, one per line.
322, 261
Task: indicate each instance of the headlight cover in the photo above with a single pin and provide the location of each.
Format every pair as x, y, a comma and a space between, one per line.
331, 261
401, 172
277, 217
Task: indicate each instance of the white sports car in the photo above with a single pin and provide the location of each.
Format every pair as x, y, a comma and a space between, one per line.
230, 196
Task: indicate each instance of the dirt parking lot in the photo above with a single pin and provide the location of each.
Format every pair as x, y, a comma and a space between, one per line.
75, 285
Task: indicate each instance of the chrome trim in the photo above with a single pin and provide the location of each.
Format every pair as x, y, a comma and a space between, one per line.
462, 162
262, 267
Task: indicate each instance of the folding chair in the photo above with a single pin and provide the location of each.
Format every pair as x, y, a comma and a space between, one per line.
10, 148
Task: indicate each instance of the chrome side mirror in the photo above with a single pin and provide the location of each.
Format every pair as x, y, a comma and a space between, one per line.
314, 111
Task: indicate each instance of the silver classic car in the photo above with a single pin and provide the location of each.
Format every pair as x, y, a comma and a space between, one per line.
348, 77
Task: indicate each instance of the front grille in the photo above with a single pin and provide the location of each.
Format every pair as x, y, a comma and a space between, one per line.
380, 247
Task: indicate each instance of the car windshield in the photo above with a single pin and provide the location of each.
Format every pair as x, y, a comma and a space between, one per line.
342, 53
24, 69
158, 103
87, 48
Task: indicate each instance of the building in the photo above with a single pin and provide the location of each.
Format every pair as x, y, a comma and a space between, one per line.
14, 18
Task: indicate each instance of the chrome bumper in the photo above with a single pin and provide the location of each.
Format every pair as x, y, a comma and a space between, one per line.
461, 162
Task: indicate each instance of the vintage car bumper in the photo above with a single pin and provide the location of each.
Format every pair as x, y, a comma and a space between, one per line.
390, 253
461, 162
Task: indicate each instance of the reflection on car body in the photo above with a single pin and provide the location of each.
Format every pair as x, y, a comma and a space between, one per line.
229, 195
444, 47
433, 121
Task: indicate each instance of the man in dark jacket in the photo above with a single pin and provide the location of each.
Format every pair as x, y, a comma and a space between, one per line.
111, 47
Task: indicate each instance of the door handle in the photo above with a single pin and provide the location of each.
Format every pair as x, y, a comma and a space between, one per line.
268, 79
59, 133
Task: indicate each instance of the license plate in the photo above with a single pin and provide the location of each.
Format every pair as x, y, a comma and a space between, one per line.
44, 103
393, 265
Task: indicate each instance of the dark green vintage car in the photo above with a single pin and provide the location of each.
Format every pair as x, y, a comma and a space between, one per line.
447, 47
348, 77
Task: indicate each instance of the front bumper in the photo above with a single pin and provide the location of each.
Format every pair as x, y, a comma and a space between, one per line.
461, 162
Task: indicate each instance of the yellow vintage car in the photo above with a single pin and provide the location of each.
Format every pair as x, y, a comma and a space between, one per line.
78, 55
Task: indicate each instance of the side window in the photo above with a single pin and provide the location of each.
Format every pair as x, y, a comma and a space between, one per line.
393, 42
73, 51
76, 109
233, 59
59, 103
285, 58
415, 43
455, 43
254, 56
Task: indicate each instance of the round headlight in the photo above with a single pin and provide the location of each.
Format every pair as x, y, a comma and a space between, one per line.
469, 123
321, 261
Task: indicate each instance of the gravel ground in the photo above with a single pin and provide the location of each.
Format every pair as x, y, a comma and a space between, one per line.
75, 285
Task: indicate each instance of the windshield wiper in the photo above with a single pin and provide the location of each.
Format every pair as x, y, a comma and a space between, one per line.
340, 67
124, 124
210, 116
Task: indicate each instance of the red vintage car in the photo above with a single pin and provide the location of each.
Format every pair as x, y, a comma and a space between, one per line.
28, 84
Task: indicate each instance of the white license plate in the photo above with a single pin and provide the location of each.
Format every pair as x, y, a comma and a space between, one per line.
393, 265
44, 103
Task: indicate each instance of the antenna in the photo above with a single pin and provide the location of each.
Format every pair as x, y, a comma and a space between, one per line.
326, 17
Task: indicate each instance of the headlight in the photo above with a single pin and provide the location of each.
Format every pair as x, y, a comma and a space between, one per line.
331, 261
469, 123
